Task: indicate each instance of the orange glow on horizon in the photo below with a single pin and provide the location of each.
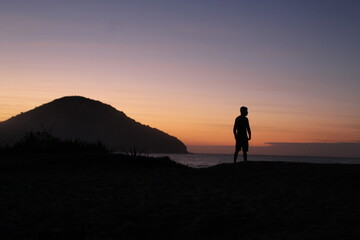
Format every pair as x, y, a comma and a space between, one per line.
196, 125
199, 126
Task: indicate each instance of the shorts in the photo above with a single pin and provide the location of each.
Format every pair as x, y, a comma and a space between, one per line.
242, 144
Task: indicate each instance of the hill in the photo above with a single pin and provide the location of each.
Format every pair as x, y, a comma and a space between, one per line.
76, 117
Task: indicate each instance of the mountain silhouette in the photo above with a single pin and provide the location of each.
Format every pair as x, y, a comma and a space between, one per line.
76, 117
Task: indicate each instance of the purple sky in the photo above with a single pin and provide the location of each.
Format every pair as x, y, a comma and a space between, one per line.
187, 66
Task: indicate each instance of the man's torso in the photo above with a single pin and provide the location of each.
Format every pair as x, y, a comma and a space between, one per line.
241, 125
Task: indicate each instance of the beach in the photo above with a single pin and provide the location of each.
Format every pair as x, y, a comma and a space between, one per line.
104, 196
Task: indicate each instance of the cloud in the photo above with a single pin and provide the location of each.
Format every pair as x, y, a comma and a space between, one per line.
340, 149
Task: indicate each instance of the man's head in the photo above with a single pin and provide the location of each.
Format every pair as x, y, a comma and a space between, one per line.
243, 111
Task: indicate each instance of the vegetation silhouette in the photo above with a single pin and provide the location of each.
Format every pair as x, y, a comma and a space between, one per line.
134, 152
44, 142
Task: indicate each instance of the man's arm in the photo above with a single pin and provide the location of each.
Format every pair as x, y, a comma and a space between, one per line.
249, 130
234, 129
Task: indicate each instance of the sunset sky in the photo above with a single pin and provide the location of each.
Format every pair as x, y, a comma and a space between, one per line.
186, 67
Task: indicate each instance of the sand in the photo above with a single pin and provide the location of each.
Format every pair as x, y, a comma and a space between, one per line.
117, 197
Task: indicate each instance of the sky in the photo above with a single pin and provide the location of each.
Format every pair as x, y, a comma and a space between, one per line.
186, 67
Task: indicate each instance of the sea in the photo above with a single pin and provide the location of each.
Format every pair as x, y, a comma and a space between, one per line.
207, 160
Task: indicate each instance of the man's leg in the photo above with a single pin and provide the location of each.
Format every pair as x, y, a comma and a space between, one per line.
236, 155
245, 155
245, 149
237, 150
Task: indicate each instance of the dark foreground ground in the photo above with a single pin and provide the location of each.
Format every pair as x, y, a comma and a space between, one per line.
114, 197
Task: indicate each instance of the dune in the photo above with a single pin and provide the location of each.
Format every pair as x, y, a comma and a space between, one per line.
104, 196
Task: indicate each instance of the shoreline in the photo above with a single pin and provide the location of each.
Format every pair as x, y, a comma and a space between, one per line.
207, 160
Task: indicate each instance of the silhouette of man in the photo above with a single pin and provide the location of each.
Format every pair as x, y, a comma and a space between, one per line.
242, 133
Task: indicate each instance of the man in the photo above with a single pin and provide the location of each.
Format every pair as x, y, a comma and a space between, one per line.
242, 133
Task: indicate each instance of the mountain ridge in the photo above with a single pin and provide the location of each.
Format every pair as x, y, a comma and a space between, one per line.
77, 117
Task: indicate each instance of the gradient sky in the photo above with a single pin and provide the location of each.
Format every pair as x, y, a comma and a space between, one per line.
186, 67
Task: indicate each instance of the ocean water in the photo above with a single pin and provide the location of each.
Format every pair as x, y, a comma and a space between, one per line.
208, 160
